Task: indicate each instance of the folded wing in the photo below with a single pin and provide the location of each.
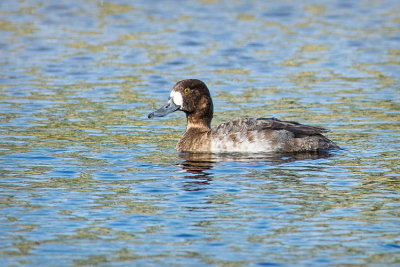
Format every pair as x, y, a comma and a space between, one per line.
259, 124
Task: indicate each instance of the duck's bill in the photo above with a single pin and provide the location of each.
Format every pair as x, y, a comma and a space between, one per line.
164, 110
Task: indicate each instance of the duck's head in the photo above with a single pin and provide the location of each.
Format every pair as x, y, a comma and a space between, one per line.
192, 97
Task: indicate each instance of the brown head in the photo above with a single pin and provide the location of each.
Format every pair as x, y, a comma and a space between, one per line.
192, 97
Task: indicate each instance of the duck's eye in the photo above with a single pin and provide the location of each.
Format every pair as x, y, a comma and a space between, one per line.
187, 90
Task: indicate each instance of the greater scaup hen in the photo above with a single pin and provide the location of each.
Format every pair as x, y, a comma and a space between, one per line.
242, 135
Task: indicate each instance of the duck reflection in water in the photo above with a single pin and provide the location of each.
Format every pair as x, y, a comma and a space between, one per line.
199, 163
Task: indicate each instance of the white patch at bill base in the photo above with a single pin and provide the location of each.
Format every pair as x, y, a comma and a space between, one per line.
176, 98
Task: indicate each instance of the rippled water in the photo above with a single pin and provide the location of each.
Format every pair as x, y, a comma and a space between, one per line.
87, 179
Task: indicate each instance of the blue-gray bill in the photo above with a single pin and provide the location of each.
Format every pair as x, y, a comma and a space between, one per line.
164, 110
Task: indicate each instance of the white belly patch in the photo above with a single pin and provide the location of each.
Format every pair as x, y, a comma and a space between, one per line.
242, 142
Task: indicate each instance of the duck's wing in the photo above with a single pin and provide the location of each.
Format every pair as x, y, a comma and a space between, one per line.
291, 126
253, 124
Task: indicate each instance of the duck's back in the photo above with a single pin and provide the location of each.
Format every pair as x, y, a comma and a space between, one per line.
268, 135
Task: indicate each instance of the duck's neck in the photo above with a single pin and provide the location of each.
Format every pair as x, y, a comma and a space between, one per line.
197, 135
202, 124
201, 119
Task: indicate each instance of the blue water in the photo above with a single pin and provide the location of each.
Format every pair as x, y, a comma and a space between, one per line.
87, 179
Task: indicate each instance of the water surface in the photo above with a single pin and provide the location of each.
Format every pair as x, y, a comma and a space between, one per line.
86, 179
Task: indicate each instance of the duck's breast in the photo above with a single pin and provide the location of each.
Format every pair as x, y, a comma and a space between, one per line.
195, 140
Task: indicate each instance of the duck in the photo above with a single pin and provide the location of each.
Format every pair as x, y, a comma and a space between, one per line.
249, 135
